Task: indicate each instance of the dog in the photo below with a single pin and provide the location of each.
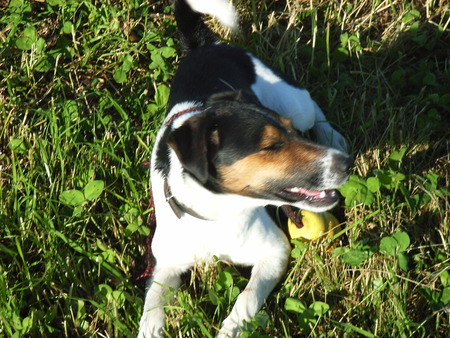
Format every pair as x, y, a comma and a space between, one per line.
229, 146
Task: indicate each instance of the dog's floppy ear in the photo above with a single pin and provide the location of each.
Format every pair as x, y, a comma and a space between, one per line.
191, 142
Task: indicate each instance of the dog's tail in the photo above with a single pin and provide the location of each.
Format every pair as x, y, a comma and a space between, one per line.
194, 33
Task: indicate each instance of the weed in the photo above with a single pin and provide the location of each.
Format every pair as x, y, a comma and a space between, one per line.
83, 89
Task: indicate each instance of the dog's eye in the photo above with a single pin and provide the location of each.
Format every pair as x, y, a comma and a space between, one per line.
274, 146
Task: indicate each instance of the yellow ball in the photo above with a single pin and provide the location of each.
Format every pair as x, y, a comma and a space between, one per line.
315, 225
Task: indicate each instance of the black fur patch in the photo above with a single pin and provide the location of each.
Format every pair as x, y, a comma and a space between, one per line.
210, 70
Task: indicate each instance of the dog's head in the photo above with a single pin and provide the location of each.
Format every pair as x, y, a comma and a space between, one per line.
245, 149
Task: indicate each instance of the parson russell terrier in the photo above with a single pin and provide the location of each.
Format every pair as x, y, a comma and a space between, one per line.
229, 146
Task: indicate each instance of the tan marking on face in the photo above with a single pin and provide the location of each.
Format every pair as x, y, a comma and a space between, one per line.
287, 123
256, 171
270, 136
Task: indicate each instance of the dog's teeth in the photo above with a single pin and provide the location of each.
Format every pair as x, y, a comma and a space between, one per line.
323, 194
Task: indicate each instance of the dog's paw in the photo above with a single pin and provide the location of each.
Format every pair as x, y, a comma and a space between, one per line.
229, 329
151, 325
331, 138
145, 332
224, 333
149, 332
337, 141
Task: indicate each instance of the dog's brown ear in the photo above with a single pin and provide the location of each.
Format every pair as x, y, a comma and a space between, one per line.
191, 142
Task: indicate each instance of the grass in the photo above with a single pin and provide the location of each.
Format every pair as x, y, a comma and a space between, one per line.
83, 88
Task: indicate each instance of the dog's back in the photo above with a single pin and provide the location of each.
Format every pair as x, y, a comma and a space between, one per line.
210, 67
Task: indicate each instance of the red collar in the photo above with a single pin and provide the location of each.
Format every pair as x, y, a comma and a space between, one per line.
177, 115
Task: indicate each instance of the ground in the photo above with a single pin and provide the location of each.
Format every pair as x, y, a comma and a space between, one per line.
83, 89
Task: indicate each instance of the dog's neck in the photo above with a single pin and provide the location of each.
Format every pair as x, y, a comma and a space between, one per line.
178, 208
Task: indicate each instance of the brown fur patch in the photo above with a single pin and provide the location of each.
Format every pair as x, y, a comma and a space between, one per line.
287, 123
270, 136
255, 172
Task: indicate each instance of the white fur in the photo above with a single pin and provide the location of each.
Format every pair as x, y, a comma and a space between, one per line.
274, 93
329, 177
221, 9
296, 104
178, 122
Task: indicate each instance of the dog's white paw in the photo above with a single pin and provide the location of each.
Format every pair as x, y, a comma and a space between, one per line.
228, 330
149, 332
325, 133
333, 139
152, 323
341, 144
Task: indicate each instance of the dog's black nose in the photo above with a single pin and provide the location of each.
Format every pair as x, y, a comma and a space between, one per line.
343, 163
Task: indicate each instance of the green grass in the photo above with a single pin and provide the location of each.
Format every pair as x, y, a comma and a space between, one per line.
83, 88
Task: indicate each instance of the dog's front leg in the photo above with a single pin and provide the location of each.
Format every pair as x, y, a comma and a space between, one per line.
153, 317
265, 275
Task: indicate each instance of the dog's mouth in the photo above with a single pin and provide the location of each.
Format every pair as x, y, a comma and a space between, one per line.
313, 198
